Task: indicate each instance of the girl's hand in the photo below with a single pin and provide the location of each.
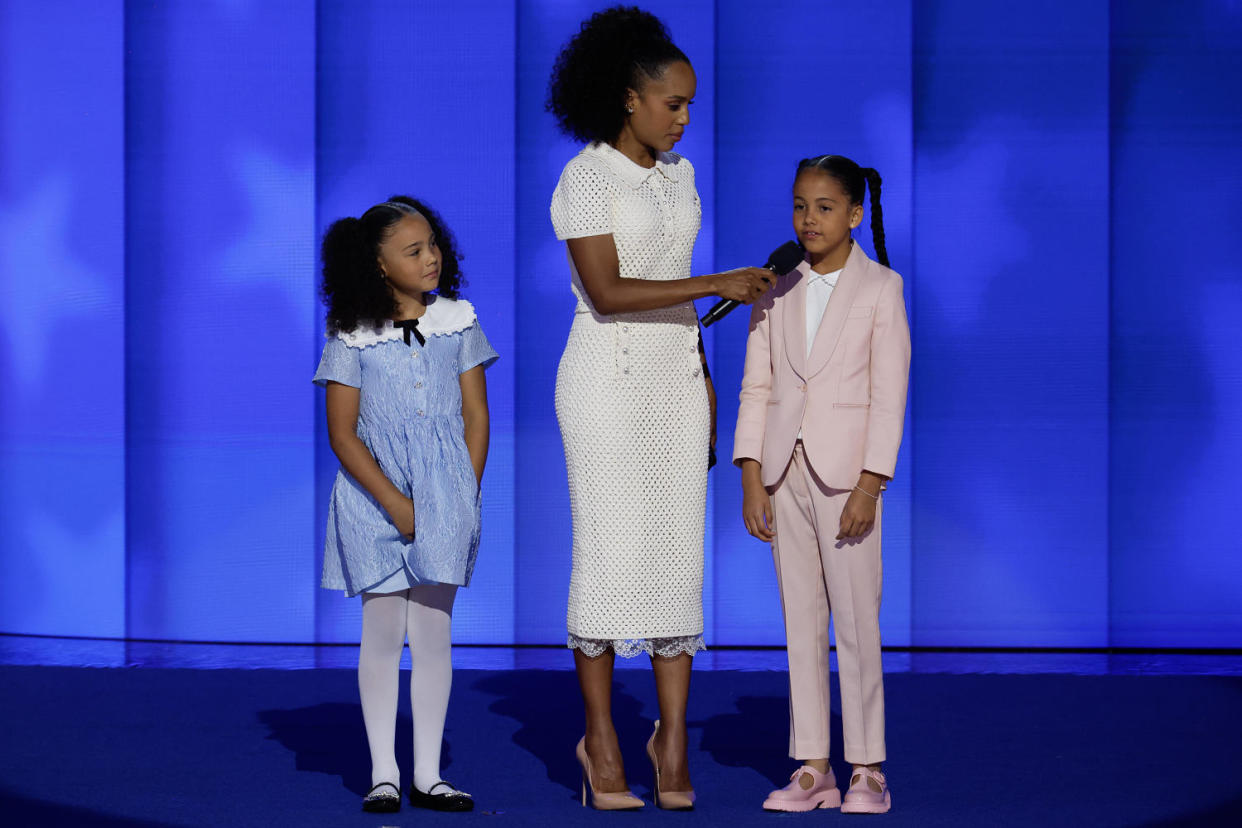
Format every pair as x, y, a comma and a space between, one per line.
757, 511
858, 516
401, 513
746, 284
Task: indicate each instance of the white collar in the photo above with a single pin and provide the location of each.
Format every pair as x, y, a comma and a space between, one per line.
830, 279
810, 277
443, 317
631, 173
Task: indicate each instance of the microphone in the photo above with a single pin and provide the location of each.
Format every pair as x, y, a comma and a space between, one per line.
783, 259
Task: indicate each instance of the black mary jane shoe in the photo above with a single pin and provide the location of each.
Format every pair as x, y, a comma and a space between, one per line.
449, 798
384, 798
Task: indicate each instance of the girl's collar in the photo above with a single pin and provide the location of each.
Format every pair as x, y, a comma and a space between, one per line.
442, 318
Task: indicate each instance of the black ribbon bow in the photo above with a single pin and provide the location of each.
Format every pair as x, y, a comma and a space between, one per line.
408, 325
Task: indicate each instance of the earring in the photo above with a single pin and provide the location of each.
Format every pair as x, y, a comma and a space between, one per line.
629, 110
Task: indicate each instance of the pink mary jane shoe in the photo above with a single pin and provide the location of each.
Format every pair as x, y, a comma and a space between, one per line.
794, 798
861, 798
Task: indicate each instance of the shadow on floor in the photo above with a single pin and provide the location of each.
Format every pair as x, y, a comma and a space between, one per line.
330, 738
755, 735
20, 810
548, 709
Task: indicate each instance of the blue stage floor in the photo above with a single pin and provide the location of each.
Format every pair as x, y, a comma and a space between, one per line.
191, 734
158, 746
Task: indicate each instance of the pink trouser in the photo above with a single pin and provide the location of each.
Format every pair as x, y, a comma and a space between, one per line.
820, 576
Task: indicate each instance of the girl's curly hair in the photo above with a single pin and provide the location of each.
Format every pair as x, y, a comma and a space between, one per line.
617, 49
353, 287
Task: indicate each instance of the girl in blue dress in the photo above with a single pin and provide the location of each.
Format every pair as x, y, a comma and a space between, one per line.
407, 418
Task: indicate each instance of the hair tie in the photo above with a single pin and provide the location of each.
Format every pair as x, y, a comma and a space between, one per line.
395, 205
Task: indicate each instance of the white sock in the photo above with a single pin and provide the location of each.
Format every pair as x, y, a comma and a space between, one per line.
379, 673
429, 622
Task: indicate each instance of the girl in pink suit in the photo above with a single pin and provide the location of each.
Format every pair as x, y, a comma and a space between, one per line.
822, 406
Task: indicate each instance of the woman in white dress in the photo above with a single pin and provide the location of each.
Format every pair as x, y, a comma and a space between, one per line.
632, 392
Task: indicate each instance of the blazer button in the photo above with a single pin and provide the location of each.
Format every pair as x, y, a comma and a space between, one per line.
802, 388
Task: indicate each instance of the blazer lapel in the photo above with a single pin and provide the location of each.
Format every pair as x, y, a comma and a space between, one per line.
794, 321
839, 303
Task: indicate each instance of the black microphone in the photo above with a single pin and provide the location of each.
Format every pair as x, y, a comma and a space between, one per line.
783, 259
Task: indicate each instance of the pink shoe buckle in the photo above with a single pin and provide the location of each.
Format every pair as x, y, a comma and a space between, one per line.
861, 799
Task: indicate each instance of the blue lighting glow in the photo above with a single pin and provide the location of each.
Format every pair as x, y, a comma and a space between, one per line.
1060, 195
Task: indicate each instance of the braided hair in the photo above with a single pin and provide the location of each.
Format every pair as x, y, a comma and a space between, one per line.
353, 288
854, 180
616, 49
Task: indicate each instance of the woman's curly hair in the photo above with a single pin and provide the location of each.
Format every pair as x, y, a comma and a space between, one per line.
617, 49
353, 287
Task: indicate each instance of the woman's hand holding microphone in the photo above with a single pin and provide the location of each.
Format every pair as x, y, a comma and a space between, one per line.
745, 284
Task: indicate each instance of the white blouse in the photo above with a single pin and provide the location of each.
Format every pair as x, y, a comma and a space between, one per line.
601, 191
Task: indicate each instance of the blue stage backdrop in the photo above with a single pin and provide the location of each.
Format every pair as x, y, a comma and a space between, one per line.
1011, 308
1060, 196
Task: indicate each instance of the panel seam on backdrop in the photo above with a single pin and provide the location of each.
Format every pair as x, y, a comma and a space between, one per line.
517, 339
125, 379
715, 241
316, 601
913, 318
1108, 325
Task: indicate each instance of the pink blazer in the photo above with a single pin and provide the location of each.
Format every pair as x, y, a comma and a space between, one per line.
848, 397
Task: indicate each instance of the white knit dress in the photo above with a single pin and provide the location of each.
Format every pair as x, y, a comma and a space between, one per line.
632, 407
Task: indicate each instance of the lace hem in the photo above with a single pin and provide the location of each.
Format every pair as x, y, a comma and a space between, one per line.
631, 647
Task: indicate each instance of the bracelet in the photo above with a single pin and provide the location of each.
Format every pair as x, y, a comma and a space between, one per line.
867, 493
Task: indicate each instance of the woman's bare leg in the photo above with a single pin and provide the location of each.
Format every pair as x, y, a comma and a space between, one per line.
672, 677
595, 680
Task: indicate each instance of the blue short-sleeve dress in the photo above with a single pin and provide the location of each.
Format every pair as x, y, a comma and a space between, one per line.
409, 416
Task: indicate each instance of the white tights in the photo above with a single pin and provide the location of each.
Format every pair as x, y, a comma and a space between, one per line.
424, 612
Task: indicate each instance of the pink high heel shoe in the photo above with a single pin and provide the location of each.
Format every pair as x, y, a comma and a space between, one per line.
861, 798
668, 800
823, 793
619, 801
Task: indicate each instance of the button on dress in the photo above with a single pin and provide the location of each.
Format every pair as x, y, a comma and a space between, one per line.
632, 407
409, 417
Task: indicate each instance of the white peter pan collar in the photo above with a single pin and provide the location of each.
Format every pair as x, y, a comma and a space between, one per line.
442, 317
628, 171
